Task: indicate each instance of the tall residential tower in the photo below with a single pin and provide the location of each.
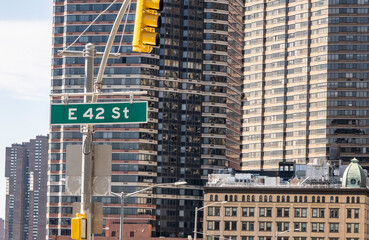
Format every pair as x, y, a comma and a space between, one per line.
194, 92
26, 180
306, 82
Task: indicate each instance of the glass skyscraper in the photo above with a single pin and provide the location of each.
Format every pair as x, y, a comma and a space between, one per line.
194, 93
305, 82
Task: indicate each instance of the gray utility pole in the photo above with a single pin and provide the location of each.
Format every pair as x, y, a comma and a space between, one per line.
87, 130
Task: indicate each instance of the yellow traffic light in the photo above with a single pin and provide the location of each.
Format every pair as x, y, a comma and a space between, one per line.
79, 227
146, 21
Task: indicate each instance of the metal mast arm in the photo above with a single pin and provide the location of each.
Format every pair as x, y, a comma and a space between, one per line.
109, 44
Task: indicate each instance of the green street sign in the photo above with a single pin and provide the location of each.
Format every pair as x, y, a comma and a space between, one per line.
98, 113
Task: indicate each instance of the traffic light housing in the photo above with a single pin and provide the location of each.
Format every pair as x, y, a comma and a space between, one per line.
79, 227
146, 20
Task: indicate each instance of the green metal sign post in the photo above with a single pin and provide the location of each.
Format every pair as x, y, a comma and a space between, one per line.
98, 113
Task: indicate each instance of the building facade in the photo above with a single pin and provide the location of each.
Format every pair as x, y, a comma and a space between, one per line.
265, 208
194, 93
305, 81
2, 229
255, 213
26, 179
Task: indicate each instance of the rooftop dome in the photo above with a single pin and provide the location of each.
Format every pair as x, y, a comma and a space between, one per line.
354, 176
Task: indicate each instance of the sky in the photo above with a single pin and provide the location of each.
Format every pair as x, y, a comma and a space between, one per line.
25, 60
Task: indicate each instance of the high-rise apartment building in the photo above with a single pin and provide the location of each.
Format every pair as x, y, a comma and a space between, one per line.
306, 81
26, 179
194, 93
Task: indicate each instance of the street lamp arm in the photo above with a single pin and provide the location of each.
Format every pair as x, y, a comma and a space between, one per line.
122, 197
276, 232
155, 186
211, 205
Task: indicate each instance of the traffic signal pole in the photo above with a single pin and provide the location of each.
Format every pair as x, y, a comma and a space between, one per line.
87, 130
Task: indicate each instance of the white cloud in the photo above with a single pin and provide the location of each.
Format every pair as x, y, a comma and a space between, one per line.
25, 56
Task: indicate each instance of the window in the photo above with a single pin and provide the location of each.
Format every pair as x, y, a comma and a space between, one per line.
234, 211
216, 211
230, 211
297, 212
210, 211
321, 212
262, 212
321, 227
230, 237
269, 212
283, 212
265, 212
227, 211
230, 225
244, 226
251, 211
210, 225
356, 213
318, 212
244, 212
247, 226
247, 212
348, 227
300, 226
333, 212
303, 212
261, 226
251, 226
314, 213
317, 227
279, 212
283, 226
265, 226
333, 227
349, 210
356, 228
